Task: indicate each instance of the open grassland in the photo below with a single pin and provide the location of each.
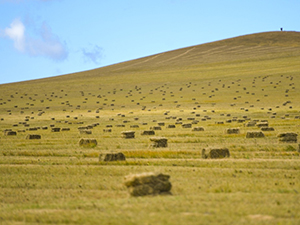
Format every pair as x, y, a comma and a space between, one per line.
233, 83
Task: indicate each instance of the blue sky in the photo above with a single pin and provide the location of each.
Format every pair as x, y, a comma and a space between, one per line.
43, 38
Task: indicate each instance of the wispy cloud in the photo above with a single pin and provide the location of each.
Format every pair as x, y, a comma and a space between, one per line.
94, 55
46, 43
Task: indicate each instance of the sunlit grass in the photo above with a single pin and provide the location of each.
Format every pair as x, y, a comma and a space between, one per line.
215, 86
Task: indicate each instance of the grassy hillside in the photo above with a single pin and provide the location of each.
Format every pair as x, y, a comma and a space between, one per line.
246, 57
233, 83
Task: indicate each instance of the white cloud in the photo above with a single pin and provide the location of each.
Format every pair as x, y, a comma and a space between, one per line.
46, 43
16, 33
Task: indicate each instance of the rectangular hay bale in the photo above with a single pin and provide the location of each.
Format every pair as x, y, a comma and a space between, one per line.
215, 153
107, 157
88, 142
33, 136
288, 137
148, 184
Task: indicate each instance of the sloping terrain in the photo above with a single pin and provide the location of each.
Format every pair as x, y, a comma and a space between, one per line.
189, 96
261, 69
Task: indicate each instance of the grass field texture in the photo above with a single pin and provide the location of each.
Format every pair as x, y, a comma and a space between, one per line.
226, 84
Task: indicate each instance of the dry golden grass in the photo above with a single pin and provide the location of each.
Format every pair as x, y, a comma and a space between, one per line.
216, 86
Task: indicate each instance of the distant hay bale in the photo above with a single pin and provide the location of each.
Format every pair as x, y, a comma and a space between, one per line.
85, 131
88, 142
65, 129
195, 121
107, 157
55, 129
148, 132
198, 129
108, 130
287, 137
285, 103
190, 118
148, 184
171, 126
215, 153
33, 136
267, 129
187, 125
232, 131
262, 124
128, 134
161, 124
82, 128
134, 126
155, 128
10, 133
159, 142
219, 122
255, 134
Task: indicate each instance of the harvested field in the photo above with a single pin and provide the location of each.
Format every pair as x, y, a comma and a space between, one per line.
55, 180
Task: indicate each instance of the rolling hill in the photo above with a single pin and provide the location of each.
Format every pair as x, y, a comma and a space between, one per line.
218, 64
249, 48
